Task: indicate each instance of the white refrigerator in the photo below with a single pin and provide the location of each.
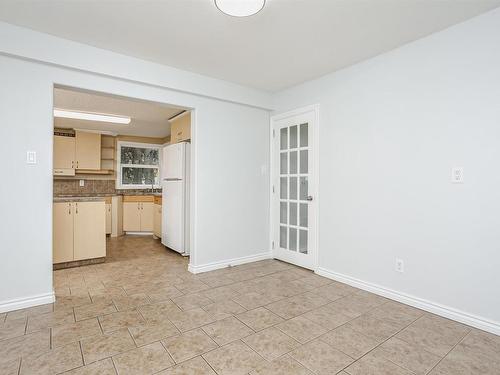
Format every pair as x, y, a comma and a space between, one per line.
175, 197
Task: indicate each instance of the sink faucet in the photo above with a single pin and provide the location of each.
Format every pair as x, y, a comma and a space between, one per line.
152, 187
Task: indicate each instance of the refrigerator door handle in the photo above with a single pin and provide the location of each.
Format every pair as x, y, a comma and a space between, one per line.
172, 179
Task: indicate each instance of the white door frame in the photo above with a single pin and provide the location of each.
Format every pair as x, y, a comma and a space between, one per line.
273, 240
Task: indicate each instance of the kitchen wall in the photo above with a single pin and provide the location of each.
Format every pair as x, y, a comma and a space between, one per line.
391, 129
230, 145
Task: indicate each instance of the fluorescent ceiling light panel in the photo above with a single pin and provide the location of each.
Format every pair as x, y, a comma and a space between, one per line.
91, 116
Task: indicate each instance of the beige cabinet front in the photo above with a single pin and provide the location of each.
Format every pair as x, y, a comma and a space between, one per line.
157, 220
64, 156
62, 232
138, 215
90, 230
131, 216
147, 216
88, 150
78, 231
180, 130
108, 218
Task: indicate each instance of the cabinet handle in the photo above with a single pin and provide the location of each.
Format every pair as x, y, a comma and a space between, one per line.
77, 164
76, 204
69, 208
72, 164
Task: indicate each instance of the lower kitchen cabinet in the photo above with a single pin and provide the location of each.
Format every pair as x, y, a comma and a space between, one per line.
89, 230
108, 218
62, 237
138, 213
146, 216
157, 217
79, 231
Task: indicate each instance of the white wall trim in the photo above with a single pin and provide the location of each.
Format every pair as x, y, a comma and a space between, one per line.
423, 304
22, 303
229, 262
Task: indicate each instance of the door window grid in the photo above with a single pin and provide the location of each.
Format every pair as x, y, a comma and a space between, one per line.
294, 172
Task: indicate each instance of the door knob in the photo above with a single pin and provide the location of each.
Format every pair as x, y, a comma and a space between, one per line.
309, 198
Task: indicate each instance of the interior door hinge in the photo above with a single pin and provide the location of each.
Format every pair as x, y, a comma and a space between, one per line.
272, 245
274, 133
273, 189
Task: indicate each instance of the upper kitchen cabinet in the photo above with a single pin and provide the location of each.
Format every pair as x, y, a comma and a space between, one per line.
64, 155
88, 150
180, 129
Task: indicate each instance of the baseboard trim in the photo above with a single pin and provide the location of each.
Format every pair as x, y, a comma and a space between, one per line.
22, 303
229, 262
432, 307
139, 233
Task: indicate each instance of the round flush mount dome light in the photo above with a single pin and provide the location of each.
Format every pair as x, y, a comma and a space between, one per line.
240, 8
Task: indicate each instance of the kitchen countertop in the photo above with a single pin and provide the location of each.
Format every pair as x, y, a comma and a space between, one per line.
79, 199
97, 197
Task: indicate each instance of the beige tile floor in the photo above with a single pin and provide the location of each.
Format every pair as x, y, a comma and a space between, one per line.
142, 312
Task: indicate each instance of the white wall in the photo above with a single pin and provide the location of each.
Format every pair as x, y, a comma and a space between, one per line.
230, 147
391, 129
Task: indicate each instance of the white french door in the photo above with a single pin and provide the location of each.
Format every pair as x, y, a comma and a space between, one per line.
294, 204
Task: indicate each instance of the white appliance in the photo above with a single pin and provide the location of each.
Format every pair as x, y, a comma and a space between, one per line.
175, 200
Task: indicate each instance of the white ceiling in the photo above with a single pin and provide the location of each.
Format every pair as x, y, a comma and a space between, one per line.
147, 119
288, 42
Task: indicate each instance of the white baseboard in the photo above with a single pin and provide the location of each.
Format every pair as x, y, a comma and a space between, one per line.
22, 303
139, 233
432, 307
229, 262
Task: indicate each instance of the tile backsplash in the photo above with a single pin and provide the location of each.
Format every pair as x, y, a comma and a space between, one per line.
72, 187
91, 187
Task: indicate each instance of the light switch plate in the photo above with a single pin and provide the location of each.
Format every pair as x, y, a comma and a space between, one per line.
457, 175
82, 183
31, 157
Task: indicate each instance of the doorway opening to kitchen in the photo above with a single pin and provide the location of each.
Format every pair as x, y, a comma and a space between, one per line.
121, 184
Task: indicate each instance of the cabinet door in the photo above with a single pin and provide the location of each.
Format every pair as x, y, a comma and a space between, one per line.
157, 220
108, 218
88, 150
64, 156
131, 216
186, 127
175, 132
90, 230
180, 129
62, 232
147, 216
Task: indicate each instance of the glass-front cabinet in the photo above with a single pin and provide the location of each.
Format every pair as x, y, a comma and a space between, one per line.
138, 165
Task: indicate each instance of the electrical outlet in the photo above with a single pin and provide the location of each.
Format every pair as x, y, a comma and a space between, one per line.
82, 183
400, 265
457, 175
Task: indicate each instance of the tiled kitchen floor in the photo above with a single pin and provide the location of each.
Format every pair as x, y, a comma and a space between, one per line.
142, 312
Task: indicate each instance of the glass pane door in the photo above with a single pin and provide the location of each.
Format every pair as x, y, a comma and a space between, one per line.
293, 186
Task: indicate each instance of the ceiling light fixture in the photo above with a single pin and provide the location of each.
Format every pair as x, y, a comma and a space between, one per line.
91, 116
240, 8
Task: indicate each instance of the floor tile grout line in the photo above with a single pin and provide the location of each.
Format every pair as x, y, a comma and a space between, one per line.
454, 346
81, 352
383, 342
208, 363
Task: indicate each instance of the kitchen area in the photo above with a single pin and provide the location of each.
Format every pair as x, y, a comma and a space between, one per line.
121, 170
